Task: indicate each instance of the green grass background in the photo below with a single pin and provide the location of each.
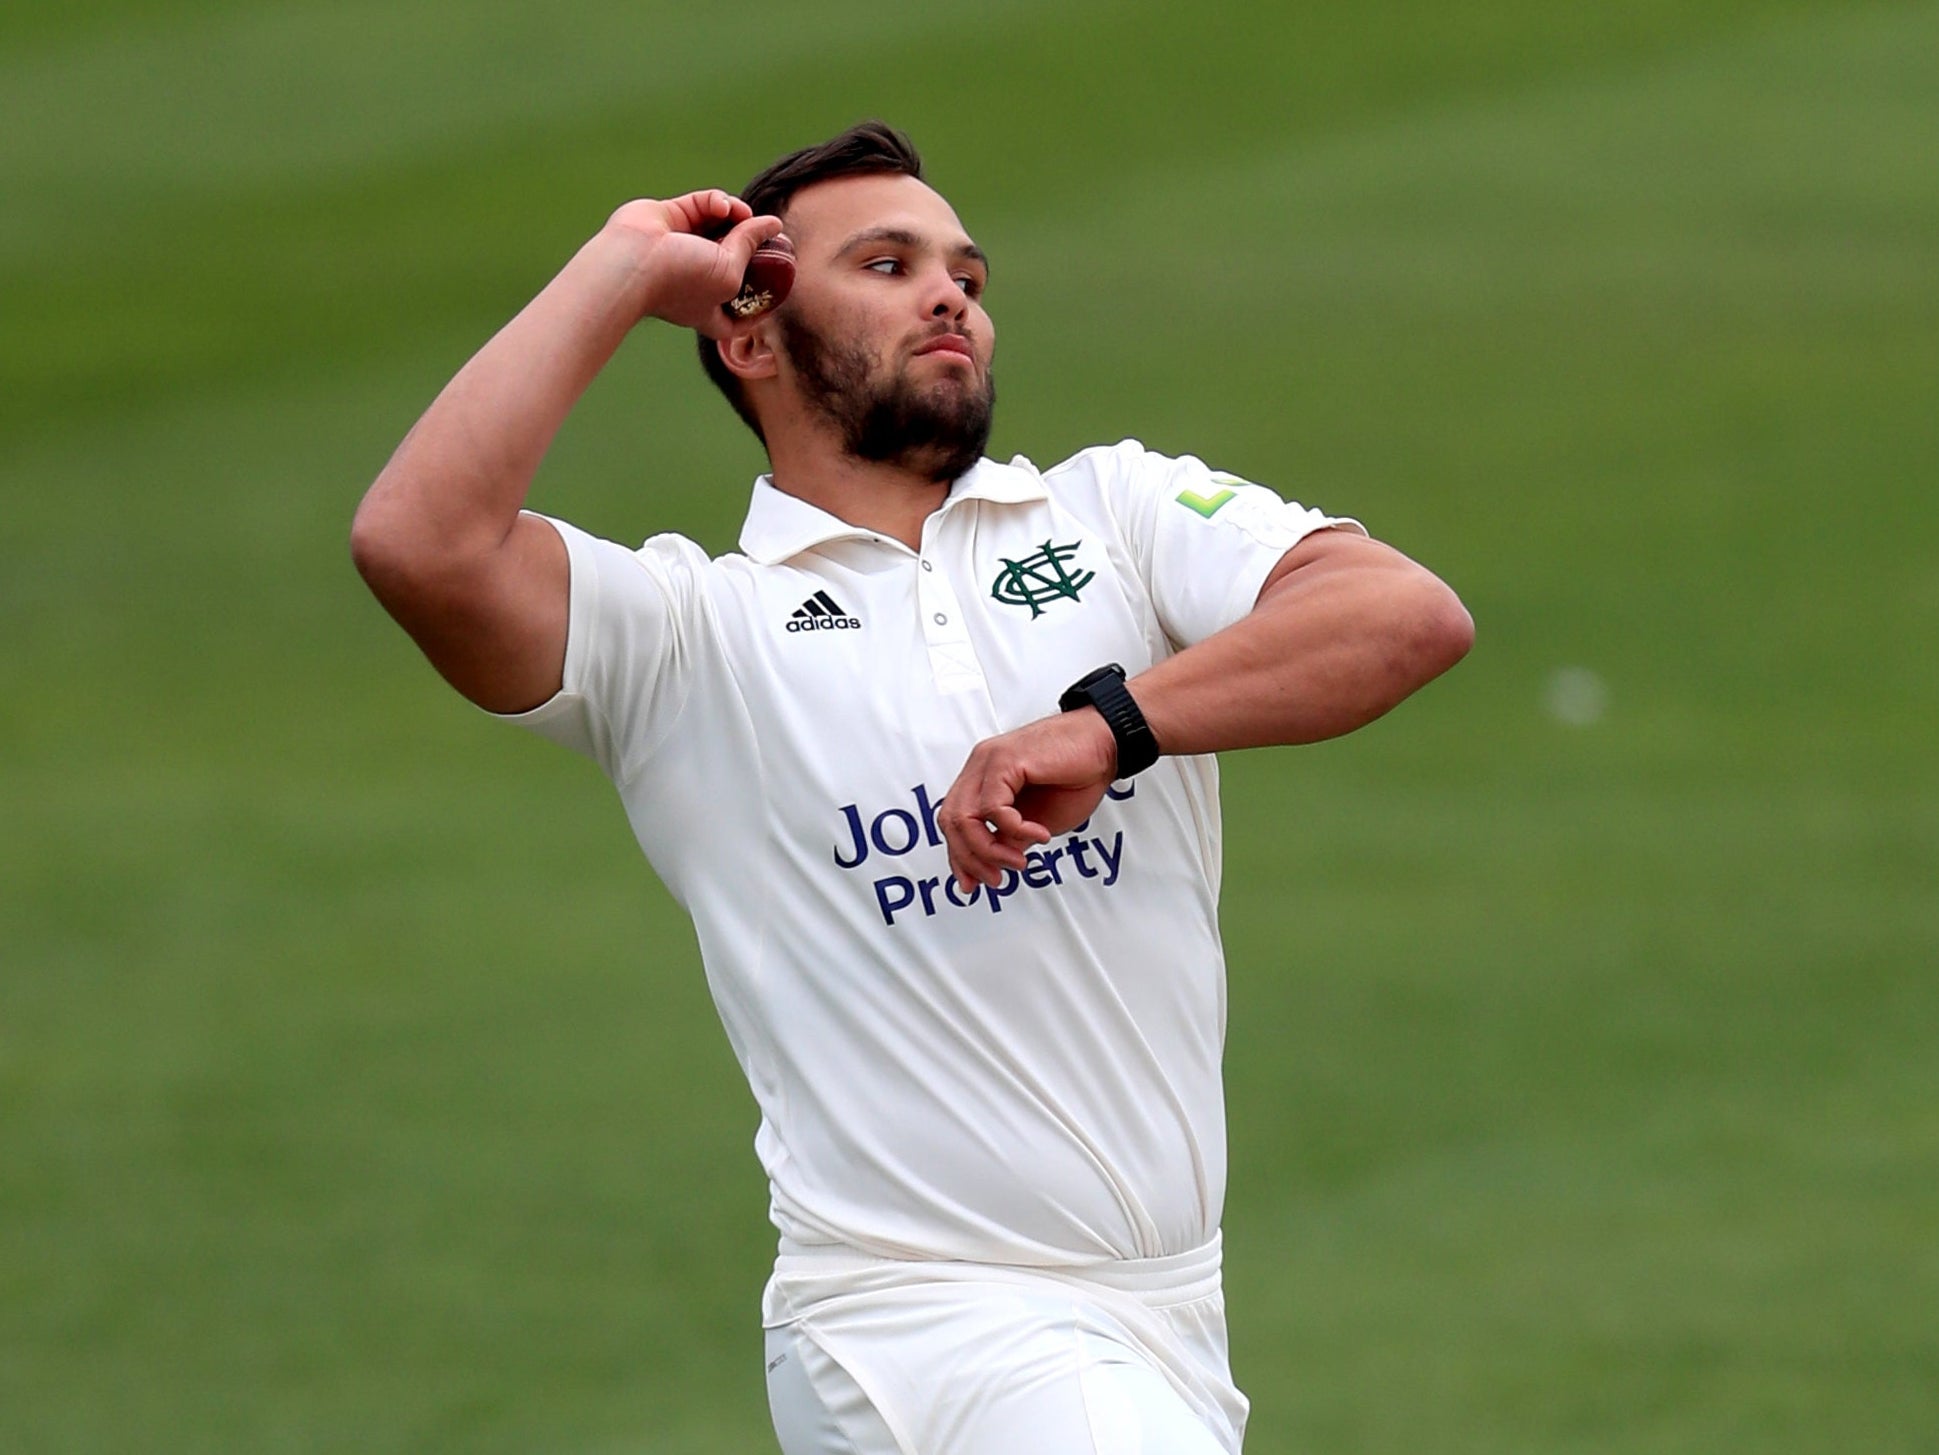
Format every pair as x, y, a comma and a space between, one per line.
358, 1088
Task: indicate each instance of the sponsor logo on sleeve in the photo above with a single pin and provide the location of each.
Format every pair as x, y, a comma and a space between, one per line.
1211, 504
1206, 505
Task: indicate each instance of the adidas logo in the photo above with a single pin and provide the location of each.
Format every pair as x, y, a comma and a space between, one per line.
819, 613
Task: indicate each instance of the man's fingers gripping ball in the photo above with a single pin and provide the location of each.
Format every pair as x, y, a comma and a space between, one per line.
769, 276
767, 282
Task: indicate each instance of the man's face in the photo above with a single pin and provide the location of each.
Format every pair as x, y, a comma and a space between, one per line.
885, 336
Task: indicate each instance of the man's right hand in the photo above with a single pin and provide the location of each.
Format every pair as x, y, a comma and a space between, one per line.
688, 268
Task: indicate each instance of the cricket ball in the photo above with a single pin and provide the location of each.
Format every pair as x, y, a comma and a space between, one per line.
769, 276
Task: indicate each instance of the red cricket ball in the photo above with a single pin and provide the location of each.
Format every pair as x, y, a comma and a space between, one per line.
769, 276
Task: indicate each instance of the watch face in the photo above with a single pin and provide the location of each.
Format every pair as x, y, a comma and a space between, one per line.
1078, 694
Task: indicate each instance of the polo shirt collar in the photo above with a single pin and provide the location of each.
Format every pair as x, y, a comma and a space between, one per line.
780, 525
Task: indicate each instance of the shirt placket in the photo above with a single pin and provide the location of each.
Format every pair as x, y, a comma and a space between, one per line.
945, 625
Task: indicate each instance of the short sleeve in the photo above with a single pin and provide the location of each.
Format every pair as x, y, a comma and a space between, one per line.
1203, 539
637, 625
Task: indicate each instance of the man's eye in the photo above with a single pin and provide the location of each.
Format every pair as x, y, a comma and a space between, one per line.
884, 265
969, 284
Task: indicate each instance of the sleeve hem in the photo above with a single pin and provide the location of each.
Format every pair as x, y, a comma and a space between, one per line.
554, 718
1247, 582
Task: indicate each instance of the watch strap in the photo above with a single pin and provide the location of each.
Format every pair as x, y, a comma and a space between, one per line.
1104, 689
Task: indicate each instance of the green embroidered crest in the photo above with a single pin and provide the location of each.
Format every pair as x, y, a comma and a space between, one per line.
1040, 578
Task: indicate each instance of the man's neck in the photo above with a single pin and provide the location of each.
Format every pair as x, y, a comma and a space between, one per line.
888, 499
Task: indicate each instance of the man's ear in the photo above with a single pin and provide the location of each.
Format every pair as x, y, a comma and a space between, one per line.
749, 355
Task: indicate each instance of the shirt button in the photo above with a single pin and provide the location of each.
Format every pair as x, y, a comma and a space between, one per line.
941, 620
928, 565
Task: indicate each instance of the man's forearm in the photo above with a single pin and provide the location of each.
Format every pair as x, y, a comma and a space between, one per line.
1335, 641
455, 485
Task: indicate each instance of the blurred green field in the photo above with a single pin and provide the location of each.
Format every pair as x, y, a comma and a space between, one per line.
358, 1086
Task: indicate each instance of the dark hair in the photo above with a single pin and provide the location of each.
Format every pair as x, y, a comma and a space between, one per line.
865, 148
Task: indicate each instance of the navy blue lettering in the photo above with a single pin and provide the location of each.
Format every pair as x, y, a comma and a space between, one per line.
908, 823
904, 895
896, 832
1130, 788
854, 818
928, 811
1112, 857
1077, 847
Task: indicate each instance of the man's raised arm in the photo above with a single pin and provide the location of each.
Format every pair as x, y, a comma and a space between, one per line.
439, 536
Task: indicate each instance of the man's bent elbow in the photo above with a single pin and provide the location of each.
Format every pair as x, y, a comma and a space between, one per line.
366, 540
404, 567
1443, 629
399, 546
375, 549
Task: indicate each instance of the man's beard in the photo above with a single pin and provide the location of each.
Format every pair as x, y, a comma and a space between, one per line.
937, 432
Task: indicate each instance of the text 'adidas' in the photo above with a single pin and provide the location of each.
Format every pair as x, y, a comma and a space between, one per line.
819, 613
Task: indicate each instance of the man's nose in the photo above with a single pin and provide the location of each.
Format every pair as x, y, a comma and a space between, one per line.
945, 295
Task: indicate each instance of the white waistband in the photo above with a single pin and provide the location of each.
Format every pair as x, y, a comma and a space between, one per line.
1155, 1282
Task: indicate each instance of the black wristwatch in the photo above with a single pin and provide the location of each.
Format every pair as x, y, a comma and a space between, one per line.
1104, 689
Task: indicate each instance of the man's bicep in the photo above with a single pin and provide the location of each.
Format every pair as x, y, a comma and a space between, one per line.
1365, 592
495, 627
1329, 548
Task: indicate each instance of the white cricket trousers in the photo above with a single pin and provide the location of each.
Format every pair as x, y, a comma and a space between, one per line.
870, 1356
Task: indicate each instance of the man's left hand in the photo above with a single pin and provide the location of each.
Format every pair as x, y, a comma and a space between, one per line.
1022, 788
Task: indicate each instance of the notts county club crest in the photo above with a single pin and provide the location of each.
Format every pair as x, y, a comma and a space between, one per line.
1040, 578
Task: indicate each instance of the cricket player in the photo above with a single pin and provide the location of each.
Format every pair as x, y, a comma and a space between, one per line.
929, 760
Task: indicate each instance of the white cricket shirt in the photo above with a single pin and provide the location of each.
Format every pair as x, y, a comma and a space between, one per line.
1027, 1074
